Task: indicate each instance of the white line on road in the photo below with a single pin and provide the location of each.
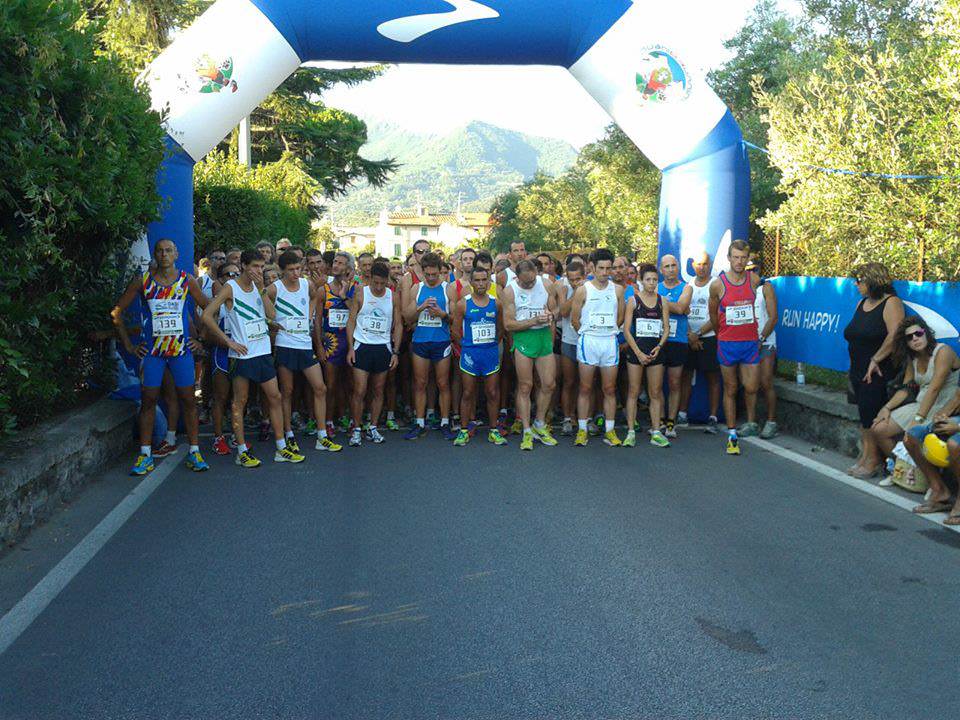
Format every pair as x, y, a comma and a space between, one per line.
15, 622
861, 485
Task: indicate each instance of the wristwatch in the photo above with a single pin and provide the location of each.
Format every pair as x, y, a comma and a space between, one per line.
918, 418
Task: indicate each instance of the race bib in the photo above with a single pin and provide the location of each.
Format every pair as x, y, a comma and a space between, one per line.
528, 313
673, 327
337, 318
699, 312
375, 325
603, 320
296, 325
649, 328
167, 317
739, 314
256, 329
429, 321
483, 333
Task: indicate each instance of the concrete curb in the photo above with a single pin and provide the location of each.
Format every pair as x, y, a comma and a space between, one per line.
56, 460
818, 415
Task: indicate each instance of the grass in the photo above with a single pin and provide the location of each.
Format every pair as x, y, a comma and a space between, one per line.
832, 379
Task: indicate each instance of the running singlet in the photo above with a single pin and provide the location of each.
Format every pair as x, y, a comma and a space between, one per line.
530, 303
646, 325
337, 311
700, 308
247, 322
479, 324
292, 316
430, 328
375, 319
678, 323
736, 318
167, 316
760, 311
567, 334
598, 316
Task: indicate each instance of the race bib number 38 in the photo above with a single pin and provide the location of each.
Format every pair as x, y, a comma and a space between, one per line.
375, 325
739, 314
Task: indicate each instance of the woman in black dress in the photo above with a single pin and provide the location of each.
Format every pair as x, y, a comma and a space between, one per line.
870, 337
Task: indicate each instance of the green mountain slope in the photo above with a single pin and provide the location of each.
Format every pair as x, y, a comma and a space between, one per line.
476, 162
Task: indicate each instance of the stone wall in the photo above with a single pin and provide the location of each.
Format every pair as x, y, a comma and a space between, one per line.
819, 415
54, 461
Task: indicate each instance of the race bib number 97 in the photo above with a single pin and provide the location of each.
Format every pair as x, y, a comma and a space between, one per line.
337, 318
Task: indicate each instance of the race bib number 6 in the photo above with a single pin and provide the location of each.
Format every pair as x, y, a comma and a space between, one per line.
649, 328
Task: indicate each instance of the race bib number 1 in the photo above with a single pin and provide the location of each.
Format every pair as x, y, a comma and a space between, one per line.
256, 329
739, 314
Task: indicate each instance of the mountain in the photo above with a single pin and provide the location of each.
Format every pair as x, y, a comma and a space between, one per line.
476, 162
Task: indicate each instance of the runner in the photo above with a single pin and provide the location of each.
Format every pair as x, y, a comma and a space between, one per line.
164, 346
702, 339
364, 263
518, 253
646, 328
426, 306
478, 326
295, 299
221, 366
373, 333
732, 298
564, 290
414, 271
265, 250
456, 291
338, 295
529, 311
248, 310
765, 310
597, 316
283, 244
677, 294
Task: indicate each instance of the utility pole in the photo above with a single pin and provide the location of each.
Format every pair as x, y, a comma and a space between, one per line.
243, 142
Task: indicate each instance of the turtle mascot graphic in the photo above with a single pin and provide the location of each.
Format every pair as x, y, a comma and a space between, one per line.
216, 76
661, 78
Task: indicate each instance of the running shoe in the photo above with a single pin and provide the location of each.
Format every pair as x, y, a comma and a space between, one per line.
247, 460
631, 439
567, 427
164, 449
502, 427
296, 421
345, 423
288, 455
463, 437
232, 442
433, 422
325, 443
374, 436
527, 442
196, 462
311, 428
472, 428
517, 427
733, 445
748, 429
331, 429
392, 425
544, 436
355, 439
447, 432
712, 427
682, 420
770, 430
142, 466
495, 437
610, 438
671, 431
293, 445
220, 446
581, 439
415, 432
658, 439
596, 426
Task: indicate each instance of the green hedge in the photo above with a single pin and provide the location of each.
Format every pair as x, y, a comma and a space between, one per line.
78, 153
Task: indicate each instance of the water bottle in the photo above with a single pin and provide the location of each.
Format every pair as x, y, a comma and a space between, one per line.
801, 378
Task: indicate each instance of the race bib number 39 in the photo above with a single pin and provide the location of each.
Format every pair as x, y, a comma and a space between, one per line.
483, 333
649, 328
739, 314
337, 318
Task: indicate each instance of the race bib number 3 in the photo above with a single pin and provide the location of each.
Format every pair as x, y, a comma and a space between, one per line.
739, 314
337, 318
602, 320
649, 328
483, 333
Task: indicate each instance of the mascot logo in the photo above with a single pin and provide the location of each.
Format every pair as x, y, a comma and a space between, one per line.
214, 76
661, 78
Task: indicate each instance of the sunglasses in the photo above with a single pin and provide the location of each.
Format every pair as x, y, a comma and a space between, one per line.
231, 275
916, 335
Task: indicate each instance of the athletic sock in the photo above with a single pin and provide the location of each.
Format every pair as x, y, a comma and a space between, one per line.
390, 415
444, 421
609, 425
582, 424
420, 422
322, 434
241, 449
146, 450
281, 444
194, 448
539, 424
171, 438
288, 434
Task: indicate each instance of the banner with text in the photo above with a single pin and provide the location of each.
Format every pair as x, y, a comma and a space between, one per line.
814, 311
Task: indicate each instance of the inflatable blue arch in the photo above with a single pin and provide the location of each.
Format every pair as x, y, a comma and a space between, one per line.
630, 56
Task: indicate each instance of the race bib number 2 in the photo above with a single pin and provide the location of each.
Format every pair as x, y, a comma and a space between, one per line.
296, 325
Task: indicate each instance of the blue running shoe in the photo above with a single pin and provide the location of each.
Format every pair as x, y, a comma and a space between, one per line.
447, 432
415, 432
143, 465
196, 462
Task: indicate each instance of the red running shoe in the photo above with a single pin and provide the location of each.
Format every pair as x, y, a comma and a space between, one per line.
220, 446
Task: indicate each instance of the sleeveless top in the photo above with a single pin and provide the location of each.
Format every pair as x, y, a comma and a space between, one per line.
700, 309
736, 319
598, 317
646, 325
567, 332
337, 311
247, 322
375, 319
206, 287
530, 303
479, 324
678, 322
293, 309
760, 311
166, 315
865, 333
429, 328
511, 274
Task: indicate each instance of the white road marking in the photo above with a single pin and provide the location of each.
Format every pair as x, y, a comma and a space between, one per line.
408, 29
862, 485
21, 615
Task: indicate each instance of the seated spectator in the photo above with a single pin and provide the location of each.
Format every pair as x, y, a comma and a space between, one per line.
946, 425
932, 366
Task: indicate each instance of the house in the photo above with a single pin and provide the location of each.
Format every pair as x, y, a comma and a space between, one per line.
399, 230
353, 240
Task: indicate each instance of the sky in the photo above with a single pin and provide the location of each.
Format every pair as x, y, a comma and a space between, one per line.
501, 95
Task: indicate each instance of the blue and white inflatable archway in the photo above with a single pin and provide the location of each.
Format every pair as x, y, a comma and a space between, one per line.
628, 55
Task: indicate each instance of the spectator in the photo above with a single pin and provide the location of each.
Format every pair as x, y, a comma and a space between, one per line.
946, 425
870, 336
282, 245
266, 252
932, 366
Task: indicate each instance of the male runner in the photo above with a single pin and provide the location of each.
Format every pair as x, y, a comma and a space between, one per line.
564, 290
266, 252
283, 244
338, 295
732, 298
620, 265
248, 310
373, 334
518, 253
426, 307
414, 271
529, 310
296, 299
765, 310
597, 316
677, 294
364, 263
478, 327
220, 362
702, 340
456, 291
164, 345
233, 256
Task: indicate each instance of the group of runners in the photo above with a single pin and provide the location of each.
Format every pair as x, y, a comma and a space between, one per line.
513, 343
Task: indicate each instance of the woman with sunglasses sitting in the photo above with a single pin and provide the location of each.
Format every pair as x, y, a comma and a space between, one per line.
933, 367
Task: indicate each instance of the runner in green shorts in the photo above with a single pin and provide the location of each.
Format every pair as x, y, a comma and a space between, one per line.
535, 343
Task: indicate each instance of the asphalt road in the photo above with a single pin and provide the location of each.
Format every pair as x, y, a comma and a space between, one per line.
418, 580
